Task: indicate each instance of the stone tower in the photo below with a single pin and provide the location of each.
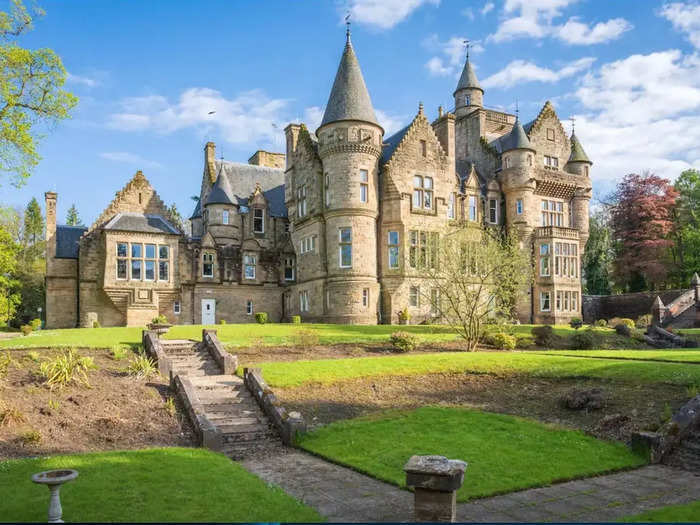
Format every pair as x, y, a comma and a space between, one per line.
468, 94
349, 146
579, 164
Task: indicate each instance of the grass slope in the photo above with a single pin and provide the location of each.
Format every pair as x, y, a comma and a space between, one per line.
682, 355
687, 513
290, 374
154, 485
504, 453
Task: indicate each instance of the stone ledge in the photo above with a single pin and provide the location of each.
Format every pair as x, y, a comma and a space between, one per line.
209, 435
227, 362
154, 350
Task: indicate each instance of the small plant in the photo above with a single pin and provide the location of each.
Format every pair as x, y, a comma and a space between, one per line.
170, 406
620, 320
643, 321
142, 367
26, 329
54, 404
503, 341
5, 362
222, 321
261, 317
404, 316
30, 438
118, 352
692, 391
623, 329
159, 319
10, 415
667, 414
69, 367
33, 356
403, 342
544, 335
601, 323
576, 323
296, 319
35, 324
584, 340
96, 324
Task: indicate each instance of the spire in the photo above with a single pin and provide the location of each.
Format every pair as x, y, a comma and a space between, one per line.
516, 139
468, 79
221, 191
577, 153
349, 98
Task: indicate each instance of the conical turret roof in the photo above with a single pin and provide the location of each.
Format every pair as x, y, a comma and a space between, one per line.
221, 193
468, 78
577, 153
349, 99
516, 139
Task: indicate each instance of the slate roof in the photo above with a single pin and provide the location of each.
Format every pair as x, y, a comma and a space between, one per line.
468, 78
577, 153
527, 127
390, 144
349, 98
238, 181
138, 222
516, 139
221, 193
67, 241
197, 210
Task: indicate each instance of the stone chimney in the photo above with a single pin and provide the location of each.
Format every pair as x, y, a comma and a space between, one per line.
267, 159
209, 156
444, 128
50, 199
291, 132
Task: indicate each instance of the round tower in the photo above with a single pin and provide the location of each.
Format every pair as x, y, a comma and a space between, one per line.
517, 163
220, 212
350, 144
468, 95
579, 164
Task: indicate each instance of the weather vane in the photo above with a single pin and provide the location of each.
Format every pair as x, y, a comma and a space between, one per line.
517, 110
467, 45
347, 24
573, 124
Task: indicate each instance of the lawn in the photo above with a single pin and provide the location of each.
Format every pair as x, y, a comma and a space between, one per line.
689, 512
504, 453
682, 355
290, 374
154, 485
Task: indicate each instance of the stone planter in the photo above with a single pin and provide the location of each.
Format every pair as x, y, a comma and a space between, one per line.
54, 479
159, 329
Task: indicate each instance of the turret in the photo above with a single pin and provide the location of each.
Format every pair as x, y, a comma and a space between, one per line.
468, 94
220, 213
579, 163
517, 159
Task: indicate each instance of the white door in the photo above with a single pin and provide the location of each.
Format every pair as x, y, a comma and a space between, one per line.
208, 311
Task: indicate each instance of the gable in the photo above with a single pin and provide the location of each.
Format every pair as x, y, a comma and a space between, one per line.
547, 135
407, 144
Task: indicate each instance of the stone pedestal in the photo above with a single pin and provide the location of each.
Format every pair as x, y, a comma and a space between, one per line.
435, 481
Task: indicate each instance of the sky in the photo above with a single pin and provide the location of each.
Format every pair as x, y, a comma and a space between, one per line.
149, 73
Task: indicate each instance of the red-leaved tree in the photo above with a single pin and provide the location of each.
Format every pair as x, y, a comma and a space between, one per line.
641, 221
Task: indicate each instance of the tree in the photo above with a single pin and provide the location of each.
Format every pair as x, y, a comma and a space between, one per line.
478, 273
598, 256
686, 231
33, 233
31, 94
175, 214
641, 219
72, 218
9, 296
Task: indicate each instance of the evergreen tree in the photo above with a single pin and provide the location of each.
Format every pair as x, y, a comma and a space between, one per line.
33, 235
72, 218
175, 213
598, 256
686, 232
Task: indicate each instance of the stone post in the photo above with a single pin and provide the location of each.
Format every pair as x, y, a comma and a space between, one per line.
695, 283
658, 312
435, 481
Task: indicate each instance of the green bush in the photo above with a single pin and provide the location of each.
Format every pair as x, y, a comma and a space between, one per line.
222, 321
601, 323
261, 317
142, 367
583, 340
623, 329
544, 335
523, 342
638, 335
296, 319
35, 324
576, 323
95, 324
26, 329
159, 319
620, 320
69, 367
404, 315
503, 341
403, 341
643, 321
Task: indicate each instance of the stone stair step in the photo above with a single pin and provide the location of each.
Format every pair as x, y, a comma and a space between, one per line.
248, 437
252, 427
223, 380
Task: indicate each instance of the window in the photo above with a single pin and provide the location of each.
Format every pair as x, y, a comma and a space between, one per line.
207, 264
506, 162
249, 266
552, 213
567, 301
258, 220
544, 302
327, 189
493, 211
472, 208
301, 201
585, 171
163, 263
345, 247
289, 268
224, 217
307, 244
529, 160
468, 100
365, 297
122, 252
566, 259
414, 296
304, 301
423, 249
249, 307
550, 134
434, 301
422, 193
423, 148
150, 263
136, 269
393, 242
451, 206
121, 268
176, 307
519, 206
364, 185
544, 260
551, 162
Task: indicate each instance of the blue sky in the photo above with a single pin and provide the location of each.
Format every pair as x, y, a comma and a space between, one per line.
147, 74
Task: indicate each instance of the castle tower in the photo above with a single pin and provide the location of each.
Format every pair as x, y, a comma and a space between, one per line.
579, 164
468, 94
350, 144
518, 185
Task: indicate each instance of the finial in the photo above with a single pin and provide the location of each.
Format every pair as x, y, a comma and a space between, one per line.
573, 124
467, 44
440, 110
420, 108
517, 110
347, 27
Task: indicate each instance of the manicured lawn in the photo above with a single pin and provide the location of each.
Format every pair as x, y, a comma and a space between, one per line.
689, 512
289, 374
155, 485
683, 355
504, 453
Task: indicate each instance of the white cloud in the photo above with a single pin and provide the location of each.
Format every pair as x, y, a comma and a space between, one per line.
384, 14
390, 123
313, 117
685, 17
81, 80
451, 54
130, 158
521, 71
578, 33
488, 7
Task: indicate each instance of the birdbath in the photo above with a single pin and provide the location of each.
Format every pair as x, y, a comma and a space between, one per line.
54, 479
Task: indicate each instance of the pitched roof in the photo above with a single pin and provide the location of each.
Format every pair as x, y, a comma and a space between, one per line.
577, 153
390, 144
468, 78
68, 241
142, 223
349, 98
516, 139
197, 210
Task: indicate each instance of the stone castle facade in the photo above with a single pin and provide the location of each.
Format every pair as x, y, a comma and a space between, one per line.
339, 227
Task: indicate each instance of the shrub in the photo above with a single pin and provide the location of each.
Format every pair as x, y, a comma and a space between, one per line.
544, 335
142, 367
33, 356
523, 342
692, 390
620, 320
222, 321
623, 329
296, 319
118, 353
503, 341
404, 315
69, 367
35, 324
5, 362
159, 319
10, 415
96, 324
637, 334
601, 323
403, 341
576, 323
643, 321
170, 406
30, 438
26, 329
261, 317
583, 340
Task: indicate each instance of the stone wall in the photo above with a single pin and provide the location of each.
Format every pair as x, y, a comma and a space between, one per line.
630, 305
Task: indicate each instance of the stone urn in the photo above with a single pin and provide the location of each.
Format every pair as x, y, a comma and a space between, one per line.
159, 328
54, 479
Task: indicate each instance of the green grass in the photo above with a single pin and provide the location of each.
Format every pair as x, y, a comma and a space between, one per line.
689, 512
682, 355
504, 453
296, 373
155, 485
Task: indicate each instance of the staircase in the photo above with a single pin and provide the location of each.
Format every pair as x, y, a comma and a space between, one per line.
682, 312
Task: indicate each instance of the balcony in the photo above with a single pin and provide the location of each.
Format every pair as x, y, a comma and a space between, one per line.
556, 232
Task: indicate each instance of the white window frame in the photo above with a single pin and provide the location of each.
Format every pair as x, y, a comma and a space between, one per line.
249, 307
163, 260
493, 219
365, 297
207, 259
342, 244
301, 200
545, 297
224, 217
261, 219
423, 189
473, 208
176, 308
249, 262
304, 301
364, 186
393, 247
414, 296
125, 260
545, 260
519, 206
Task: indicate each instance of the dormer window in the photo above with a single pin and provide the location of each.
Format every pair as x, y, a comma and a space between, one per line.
258, 220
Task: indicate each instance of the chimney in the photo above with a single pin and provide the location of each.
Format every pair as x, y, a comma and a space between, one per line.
209, 156
444, 128
267, 159
292, 134
50, 200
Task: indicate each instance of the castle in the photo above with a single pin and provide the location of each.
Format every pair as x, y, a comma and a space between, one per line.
337, 229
